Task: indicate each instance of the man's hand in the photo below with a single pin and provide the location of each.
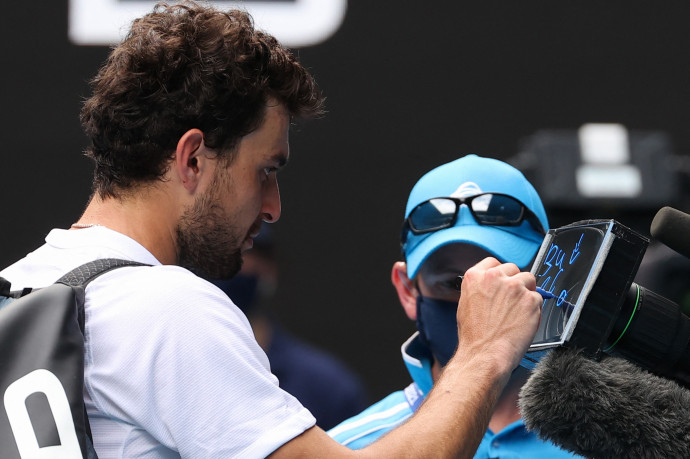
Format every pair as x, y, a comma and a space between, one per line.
498, 312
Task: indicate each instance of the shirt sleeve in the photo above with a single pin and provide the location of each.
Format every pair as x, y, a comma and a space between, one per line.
169, 352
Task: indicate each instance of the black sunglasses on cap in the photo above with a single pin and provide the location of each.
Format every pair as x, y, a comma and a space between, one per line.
494, 209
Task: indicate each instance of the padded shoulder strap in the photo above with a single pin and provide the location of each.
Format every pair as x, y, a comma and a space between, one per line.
87, 272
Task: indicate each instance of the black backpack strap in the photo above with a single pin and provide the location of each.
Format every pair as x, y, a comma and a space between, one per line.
78, 278
82, 275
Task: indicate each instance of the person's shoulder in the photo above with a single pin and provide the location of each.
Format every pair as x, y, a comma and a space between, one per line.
162, 288
537, 447
381, 417
516, 438
169, 278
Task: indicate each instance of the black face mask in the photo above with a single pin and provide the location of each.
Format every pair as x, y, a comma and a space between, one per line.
438, 326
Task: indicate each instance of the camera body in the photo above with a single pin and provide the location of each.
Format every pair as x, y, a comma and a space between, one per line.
589, 267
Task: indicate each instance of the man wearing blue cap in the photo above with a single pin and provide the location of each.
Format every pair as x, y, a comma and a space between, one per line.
457, 215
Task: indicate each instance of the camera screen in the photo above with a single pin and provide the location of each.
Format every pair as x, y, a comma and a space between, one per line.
564, 267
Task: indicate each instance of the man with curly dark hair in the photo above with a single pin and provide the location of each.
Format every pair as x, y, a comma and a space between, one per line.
188, 124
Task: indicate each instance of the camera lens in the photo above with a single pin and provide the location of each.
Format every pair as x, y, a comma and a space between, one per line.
652, 332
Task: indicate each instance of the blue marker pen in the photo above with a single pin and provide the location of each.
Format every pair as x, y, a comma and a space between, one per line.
559, 301
544, 294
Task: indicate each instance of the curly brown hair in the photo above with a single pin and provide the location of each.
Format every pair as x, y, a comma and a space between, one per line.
180, 67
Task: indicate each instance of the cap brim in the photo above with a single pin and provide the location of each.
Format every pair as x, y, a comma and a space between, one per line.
514, 248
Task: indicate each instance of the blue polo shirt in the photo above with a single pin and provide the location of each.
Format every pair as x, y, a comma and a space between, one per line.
514, 441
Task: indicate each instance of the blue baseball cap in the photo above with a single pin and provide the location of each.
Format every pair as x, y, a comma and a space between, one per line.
469, 176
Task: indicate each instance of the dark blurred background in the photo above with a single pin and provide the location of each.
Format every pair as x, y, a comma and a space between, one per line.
409, 86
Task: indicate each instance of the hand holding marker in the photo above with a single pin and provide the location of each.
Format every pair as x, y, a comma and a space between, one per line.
544, 294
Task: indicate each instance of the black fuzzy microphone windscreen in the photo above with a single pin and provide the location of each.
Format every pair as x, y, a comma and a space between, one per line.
606, 409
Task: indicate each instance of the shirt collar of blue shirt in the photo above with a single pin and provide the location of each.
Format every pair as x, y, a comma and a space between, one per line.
418, 361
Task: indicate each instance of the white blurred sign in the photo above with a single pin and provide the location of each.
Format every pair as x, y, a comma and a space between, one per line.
295, 23
606, 171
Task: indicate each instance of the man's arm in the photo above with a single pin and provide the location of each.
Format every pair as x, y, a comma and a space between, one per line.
498, 315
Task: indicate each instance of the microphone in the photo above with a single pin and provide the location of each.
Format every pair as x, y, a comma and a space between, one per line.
605, 409
671, 226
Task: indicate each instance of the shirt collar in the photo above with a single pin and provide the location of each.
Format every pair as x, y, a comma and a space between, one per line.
418, 360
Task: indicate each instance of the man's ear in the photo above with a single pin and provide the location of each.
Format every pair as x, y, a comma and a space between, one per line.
189, 161
407, 292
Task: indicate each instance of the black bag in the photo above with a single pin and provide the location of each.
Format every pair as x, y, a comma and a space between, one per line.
42, 367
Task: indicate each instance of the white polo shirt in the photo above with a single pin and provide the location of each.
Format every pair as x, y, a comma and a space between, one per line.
172, 367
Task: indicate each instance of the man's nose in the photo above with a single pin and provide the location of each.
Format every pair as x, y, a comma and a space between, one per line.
270, 205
